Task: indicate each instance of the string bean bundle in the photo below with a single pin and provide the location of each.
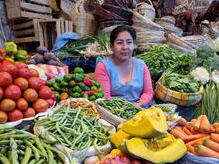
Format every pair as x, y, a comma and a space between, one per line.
73, 129
17, 146
120, 107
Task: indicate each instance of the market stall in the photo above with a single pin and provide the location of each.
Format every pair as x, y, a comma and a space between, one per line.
52, 109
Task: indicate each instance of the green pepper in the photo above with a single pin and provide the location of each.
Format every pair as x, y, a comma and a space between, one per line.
49, 83
92, 98
78, 77
68, 77
72, 83
58, 80
85, 95
56, 86
57, 95
21, 55
78, 70
75, 94
86, 75
83, 86
99, 90
95, 83
64, 84
10, 48
76, 89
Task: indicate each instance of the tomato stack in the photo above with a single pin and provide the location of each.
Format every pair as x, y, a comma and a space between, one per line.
22, 93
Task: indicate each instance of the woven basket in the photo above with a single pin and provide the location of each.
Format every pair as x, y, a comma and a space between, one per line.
183, 99
146, 9
108, 116
84, 24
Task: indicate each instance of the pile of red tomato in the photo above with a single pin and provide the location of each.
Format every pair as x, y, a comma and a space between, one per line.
22, 93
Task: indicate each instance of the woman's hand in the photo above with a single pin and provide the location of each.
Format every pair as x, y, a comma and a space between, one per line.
140, 104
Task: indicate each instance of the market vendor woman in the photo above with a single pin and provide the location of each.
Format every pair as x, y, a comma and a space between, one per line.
121, 75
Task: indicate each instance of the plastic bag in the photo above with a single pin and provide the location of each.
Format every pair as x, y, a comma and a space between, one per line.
194, 159
61, 40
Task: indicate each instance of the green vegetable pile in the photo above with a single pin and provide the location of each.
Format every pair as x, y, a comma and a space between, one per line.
76, 85
207, 58
162, 57
74, 129
120, 107
74, 47
17, 146
209, 104
180, 83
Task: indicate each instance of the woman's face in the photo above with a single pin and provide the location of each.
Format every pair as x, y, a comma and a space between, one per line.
123, 46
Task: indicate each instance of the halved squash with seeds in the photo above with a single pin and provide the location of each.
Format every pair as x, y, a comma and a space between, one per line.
141, 148
118, 138
148, 123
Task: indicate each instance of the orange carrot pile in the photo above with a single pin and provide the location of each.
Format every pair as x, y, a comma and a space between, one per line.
201, 138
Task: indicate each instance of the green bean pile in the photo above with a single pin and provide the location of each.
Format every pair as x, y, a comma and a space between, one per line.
19, 147
120, 107
73, 129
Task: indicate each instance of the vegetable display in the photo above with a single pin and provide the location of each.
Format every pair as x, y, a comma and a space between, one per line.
200, 136
209, 104
76, 85
180, 83
86, 46
74, 129
17, 146
120, 107
22, 92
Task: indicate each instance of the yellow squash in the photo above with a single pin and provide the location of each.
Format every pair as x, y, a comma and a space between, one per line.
148, 123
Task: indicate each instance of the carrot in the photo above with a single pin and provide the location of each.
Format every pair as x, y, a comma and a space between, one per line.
205, 125
191, 149
181, 131
197, 123
212, 129
204, 151
187, 131
190, 126
215, 137
195, 136
211, 144
217, 130
182, 121
216, 124
176, 133
198, 141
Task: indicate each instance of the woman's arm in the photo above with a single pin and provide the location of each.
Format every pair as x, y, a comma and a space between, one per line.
147, 93
101, 75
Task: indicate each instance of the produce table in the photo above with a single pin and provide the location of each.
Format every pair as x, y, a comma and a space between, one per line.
185, 112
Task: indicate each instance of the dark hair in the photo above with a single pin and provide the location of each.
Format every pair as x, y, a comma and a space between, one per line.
119, 29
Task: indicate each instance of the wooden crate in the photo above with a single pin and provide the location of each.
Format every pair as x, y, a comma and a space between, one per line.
43, 31
17, 9
26, 30
58, 26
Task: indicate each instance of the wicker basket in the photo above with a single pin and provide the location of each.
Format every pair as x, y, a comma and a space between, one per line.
183, 99
84, 24
146, 9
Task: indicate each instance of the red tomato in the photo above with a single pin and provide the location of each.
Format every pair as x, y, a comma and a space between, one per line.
6, 79
35, 83
33, 72
15, 115
50, 102
3, 117
21, 82
53, 96
40, 105
10, 68
30, 95
30, 112
24, 72
20, 65
7, 105
22, 104
1, 92
45, 92
13, 92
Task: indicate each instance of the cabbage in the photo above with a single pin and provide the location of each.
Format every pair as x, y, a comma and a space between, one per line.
201, 74
216, 44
